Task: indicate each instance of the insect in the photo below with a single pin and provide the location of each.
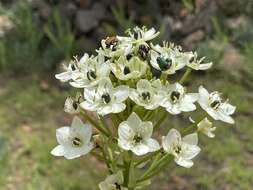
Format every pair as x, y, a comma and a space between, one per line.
111, 42
143, 51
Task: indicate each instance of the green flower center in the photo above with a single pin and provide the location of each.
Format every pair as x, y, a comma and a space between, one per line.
163, 63
106, 98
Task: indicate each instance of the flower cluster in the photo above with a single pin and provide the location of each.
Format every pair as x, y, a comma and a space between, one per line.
128, 89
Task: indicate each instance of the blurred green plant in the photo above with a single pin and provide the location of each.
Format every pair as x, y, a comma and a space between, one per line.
28, 48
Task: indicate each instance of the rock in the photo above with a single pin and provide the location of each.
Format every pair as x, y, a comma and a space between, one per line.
86, 20
191, 40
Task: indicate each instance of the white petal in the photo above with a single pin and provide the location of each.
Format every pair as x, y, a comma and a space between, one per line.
228, 108
184, 163
58, 151
121, 93
143, 85
118, 107
125, 132
140, 149
71, 153
172, 137
145, 129
152, 144
191, 139
88, 106
65, 76
62, 135
134, 120
189, 151
80, 129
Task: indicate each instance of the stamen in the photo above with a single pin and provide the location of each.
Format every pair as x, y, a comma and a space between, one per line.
145, 96
174, 96
137, 138
76, 141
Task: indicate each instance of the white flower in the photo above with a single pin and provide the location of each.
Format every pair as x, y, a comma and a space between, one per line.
175, 99
138, 35
73, 141
215, 107
104, 98
125, 69
183, 149
135, 135
90, 73
168, 60
147, 94
72, 104
196, 64
113, 182
206, 127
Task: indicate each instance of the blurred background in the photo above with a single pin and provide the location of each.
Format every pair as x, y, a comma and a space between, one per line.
36, 36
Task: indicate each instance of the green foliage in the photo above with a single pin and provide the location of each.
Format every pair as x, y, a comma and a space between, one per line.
27, 48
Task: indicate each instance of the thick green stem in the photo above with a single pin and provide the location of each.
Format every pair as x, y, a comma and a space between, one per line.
185, 76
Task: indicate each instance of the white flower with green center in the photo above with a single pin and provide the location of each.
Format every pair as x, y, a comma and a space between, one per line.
176, 100
105, 98
72, 69
74, 141
72, 104
168, 60
135, 135
206, 127
113, 182
90, 73
196, 64
183, 149
125, 69
212, 103
147, 94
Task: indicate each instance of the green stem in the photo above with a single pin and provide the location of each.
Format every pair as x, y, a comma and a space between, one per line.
156, 166
107, 162
97, 126
161, 120
166, 160
146, 158
191, 128
185, 76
